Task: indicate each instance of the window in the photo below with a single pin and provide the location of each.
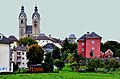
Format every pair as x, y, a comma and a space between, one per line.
93, 41
82, 43
23, 58
18, 53
35, 25
82, 49
18, 58
92, 48
21, 21
35, 21
23, 53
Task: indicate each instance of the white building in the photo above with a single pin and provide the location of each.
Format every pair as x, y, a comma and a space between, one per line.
42, 40
5, 62
20, 56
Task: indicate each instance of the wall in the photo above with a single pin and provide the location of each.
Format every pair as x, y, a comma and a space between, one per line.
4, 58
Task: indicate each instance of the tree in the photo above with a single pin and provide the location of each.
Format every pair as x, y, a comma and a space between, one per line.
56, 53
35, 54
59, 63
26, 41
48, 62
65, 45
113, 45
72, 47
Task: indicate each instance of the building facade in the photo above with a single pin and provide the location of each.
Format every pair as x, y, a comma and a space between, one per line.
89, 43
19, 55
6, 64
29, 30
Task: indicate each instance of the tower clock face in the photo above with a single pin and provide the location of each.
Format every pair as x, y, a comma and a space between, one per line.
1, 36
22, 16
35, 17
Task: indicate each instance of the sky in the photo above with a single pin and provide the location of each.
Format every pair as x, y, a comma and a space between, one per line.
60, 18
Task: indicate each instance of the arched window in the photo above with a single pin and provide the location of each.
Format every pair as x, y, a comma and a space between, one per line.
21, 21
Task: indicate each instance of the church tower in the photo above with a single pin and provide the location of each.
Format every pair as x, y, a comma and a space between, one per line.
36, 22
22, 22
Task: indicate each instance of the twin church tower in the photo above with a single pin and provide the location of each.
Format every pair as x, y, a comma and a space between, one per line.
29, 30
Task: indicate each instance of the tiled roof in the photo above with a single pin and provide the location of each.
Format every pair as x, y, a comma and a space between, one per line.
82, 37
13, 38
29, 29
41, 38
72, 36
20, 48
55, 40
5, 40
92, 35
49, 45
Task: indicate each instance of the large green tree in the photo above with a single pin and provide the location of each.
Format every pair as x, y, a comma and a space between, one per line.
112, 45
26, 41
35, 54
56, 53
65, 45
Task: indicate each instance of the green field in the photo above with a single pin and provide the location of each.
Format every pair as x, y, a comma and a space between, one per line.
66, 73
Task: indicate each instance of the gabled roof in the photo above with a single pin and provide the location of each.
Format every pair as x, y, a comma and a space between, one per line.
49, 45
5, 40
41, 38
29, 29
20, 48
92, 35
55, 40
13, 38
82, 37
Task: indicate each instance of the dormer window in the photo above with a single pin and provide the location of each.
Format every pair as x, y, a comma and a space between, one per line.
1, 36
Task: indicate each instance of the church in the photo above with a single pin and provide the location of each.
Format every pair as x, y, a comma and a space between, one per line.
29, 30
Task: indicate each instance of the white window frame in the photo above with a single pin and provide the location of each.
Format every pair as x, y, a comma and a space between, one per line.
93, 41
82, 43
82, 49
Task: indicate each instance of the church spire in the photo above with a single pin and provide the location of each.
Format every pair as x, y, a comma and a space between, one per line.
22, 8
36, 9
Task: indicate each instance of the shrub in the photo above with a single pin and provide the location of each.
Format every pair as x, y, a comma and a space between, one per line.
59, 63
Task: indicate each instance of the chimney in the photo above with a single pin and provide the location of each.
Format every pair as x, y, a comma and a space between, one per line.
87, 33
49, 35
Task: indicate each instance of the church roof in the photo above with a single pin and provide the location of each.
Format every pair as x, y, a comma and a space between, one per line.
36, 13
29, 29
22, 13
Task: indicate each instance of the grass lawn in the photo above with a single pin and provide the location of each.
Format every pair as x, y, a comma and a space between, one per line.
66, 73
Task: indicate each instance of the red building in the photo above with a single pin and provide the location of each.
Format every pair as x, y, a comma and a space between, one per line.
89, 43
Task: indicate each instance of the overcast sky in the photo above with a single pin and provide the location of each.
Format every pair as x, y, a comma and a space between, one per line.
60, 18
